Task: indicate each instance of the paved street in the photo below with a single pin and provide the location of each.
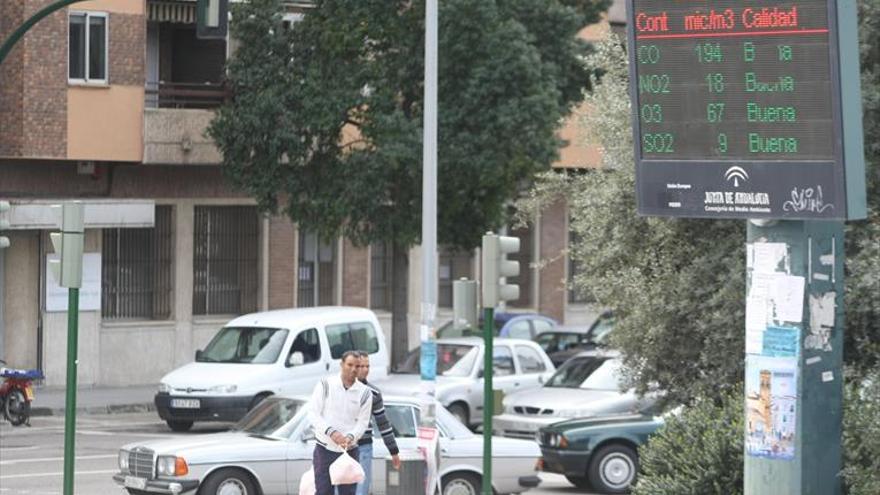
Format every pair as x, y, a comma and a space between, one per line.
32, 459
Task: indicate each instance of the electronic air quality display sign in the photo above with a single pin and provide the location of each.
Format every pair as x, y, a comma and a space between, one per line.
738, 109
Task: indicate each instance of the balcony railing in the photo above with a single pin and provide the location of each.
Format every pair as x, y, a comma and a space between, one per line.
185, 95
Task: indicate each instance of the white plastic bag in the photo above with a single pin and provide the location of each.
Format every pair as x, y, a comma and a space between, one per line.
307, 483
346, 471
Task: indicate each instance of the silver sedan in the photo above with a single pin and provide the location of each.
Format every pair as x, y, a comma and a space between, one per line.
270, 449
517, 365
587, 385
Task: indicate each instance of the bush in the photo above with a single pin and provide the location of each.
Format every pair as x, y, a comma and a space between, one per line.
699, 452
861, 437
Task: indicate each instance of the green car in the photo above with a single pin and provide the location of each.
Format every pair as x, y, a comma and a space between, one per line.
597, 453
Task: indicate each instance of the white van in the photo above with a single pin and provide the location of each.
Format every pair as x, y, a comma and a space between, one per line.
274, 352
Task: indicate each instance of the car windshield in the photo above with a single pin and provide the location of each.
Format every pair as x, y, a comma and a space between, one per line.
456, 360
601, 329
449, 330
244, 345
274, 417
588, 372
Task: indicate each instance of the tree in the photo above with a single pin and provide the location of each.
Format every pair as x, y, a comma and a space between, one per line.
326, 120
677, 285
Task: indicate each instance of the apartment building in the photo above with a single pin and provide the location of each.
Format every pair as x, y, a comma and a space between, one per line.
106, 102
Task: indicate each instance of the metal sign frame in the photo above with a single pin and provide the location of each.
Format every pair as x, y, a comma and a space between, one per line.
677, 188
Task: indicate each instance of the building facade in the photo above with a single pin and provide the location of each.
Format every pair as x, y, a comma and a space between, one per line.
107, 102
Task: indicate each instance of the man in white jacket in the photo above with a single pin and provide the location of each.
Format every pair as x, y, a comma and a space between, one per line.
339, 410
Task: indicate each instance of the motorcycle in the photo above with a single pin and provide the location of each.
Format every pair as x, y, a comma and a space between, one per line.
17, 393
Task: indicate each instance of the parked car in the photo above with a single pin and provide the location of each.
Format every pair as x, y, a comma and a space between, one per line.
587, 385
517, 365
270, 449
512, 325
262, 354
562, 343
597, 454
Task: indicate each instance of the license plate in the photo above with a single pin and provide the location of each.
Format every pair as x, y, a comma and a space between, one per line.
186, 403
29, 393
135, 482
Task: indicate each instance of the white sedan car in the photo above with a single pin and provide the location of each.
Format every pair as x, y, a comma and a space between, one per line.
270, 449
516, 365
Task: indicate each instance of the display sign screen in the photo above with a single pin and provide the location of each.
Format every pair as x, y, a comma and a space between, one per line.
736, 108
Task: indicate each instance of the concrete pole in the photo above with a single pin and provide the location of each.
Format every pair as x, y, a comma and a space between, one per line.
794, 354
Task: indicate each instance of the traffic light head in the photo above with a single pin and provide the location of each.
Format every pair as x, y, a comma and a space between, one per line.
496, 267
68, 244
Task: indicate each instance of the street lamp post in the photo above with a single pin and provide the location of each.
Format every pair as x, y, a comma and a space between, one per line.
428, 360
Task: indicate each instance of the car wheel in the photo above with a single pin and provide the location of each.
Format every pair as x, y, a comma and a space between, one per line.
180, 426
461, 484
460, 411
228, 481
613, 469
579, 481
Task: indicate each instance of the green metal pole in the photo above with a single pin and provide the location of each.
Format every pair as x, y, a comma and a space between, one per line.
70, 402
13, 39
488, 399
794, 365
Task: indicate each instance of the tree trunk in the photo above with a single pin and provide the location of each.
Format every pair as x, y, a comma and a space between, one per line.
399, 306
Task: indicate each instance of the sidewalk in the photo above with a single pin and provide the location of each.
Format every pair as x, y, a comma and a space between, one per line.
95, 400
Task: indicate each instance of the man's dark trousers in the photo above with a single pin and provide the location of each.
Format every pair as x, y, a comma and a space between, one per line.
321, 460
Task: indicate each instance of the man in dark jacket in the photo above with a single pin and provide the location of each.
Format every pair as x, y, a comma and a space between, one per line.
365, 444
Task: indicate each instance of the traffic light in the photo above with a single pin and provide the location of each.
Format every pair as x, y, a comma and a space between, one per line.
69, 245
495, 266
464, 304
4, 223
212, 19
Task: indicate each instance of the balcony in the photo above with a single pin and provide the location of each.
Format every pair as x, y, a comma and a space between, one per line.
183, 87
206, 95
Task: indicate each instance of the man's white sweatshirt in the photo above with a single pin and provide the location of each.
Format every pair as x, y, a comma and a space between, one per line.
336, 408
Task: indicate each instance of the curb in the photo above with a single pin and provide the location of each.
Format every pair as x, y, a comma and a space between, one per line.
108, 409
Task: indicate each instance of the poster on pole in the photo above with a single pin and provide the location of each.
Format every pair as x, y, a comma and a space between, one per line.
771, 407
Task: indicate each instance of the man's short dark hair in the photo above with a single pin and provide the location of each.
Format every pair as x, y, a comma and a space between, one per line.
348, 354
363, 354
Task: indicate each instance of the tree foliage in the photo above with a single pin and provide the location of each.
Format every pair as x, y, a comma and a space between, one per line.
862, 334
326, 122
677, 285
699, 452
861, 437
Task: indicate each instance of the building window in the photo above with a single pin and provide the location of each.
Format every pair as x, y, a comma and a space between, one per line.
87, 52
452, 265
225, 260
136, 277
380, 275
316, 272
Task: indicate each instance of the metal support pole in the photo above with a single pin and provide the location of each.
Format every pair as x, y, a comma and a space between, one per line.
488, 397
794, 356
70, 396
428, 360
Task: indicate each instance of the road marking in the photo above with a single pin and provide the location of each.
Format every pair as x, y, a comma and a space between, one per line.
35, 475
23, 447
52, 459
